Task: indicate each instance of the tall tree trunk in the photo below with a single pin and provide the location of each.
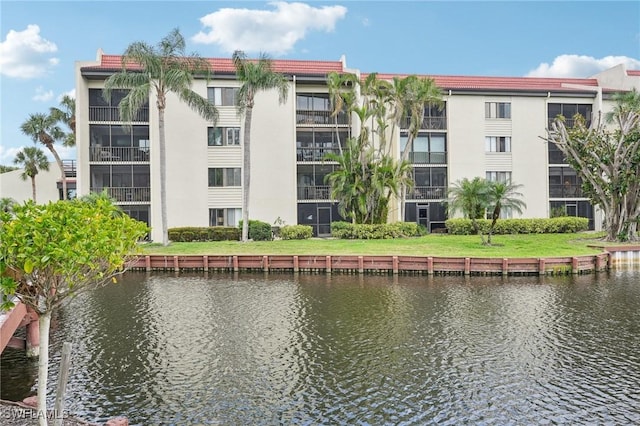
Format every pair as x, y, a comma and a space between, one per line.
63, 175
33, 187
43, 367
246, 174
163, 178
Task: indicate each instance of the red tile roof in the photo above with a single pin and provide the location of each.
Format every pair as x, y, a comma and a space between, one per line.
225, 65
114, 62
504, 83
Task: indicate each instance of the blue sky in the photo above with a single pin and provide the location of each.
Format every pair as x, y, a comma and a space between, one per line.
40, 41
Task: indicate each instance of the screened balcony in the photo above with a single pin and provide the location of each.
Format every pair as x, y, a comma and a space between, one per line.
111, 154
308, 117
110, 113
320, 192
123, 195
426, 193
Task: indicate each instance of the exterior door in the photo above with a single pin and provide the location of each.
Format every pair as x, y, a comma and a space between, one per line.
324, 221
423, 215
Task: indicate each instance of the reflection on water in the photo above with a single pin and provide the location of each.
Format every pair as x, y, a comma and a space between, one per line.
316, 349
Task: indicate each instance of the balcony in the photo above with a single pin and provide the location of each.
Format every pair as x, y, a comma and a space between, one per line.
312, 118
108, 113
316, 152
428, 157
565, 191
426, 193
430, 123
118, 154
126, 195
69, 167
321, 192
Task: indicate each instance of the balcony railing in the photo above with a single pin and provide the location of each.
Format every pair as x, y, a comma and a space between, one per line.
321, 192
568, 123
428, 157
565, 191
121, 195
430, 123
108, 113
319, 117
316, 153
426, 193
111, 154
69, 168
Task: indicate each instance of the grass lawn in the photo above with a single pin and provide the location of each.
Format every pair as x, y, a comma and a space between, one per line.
524, 245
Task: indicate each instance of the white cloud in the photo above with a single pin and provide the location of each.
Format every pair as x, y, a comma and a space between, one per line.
71, 93
580, 66
272, 31
42, 95
8, 154
25, 54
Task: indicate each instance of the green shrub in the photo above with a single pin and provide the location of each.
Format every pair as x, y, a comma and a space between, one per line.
349, 231
555, 225
211, 233
296, 232
258, 230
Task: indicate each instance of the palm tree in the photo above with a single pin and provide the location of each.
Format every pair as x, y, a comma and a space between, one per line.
469, 197
503, 195
341, 100
163, 69
44, 128
32, 160
255, 76
66, 115
412, 96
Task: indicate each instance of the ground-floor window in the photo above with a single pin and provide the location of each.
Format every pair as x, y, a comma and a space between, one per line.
225, 217
430, 215
573, 208
319, 216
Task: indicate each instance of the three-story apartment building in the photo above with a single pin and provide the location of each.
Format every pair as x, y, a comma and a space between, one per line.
491, 127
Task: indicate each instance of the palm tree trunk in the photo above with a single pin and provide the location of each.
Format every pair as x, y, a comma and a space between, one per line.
43, 367
33, 187
63, 176
246, 174
163, 178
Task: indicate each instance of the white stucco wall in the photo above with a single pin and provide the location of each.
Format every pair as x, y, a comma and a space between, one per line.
12, 186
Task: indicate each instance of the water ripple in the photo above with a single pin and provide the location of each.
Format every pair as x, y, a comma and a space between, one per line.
313, 349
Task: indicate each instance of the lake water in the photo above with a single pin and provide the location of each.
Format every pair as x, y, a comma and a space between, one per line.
345, 349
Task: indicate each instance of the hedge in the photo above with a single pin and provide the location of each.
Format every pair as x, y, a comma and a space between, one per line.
258, 230
211, 233
296, 232
555, 225
350, 231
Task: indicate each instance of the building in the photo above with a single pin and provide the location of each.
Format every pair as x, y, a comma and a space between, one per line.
490, 127
48, 184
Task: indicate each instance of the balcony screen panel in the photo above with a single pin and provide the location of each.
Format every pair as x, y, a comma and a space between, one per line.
99, 135
96, 98
438, 143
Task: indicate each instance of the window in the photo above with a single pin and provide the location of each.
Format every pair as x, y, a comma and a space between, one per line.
503, 177
225, 177
222, 96
497, 109
564, 182
225, 217
497, 143
568, 111
219, 136
314, 144
428, 148
435, 118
